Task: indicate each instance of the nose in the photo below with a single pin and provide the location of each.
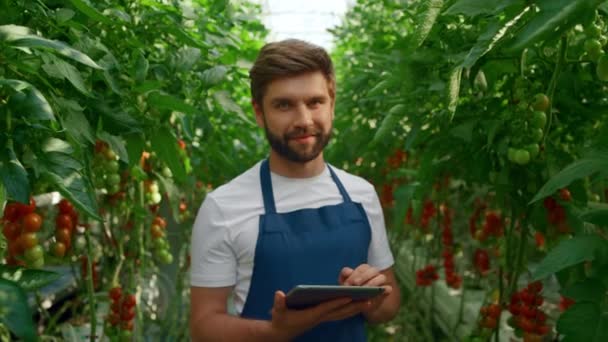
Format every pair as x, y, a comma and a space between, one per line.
304, 116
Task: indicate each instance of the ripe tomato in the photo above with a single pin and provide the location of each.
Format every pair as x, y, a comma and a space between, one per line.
494, 310
127, 326
11, 230
59, 249
564, 194
11, 212
526, 324
115, 293
63, 235
128, 314
64, 221
160, 221
32, 222
114, 318
129, 301
65, 207
157, 231
25, 209
489, 322
28, 240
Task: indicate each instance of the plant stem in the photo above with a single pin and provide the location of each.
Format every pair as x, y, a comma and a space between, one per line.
520, 253
563, 47
90, 286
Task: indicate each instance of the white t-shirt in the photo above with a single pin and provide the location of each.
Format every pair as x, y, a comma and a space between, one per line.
226, 228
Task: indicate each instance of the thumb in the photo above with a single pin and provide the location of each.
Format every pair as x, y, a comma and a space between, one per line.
279, 301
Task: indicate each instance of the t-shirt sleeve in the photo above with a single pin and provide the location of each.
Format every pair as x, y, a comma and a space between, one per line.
213, 262
379, 254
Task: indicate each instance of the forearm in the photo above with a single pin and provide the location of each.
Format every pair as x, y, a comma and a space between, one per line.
224, 327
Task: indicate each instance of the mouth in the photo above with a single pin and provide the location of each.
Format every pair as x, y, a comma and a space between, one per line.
303, 138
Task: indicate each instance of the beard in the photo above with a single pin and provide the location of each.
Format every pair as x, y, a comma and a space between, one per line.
280, 144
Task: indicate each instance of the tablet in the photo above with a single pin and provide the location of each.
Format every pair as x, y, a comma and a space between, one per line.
303, 296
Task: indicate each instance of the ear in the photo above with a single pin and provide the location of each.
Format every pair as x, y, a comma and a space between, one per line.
259, 113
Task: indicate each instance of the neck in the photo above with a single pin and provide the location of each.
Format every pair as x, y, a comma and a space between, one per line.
288, 168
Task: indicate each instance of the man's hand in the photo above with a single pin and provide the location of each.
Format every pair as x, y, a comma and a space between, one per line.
291, 323
366, 275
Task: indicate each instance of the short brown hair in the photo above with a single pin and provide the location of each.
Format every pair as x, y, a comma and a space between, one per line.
290, 57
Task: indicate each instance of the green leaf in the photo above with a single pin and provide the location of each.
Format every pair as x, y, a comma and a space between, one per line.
390, 121
116, 143
464, 131
91, 12
172, 192
403, 196
75, 123
57, 145
554, 17
379, 88
165, 145
19, 36
494, 33
2, 195
164, 101
597, 216
431, 9
473, 8
588, 290
579, 169
228, 104
16, 314
58, 68
30, 101
568, 253
454, 91
141, 68
135, 146
583, 322
14, 176
214, 75
28, 279
411, 136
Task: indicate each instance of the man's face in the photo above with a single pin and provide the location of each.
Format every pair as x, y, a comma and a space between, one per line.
297, 116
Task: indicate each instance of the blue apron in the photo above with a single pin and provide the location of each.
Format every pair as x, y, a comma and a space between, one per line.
307, 246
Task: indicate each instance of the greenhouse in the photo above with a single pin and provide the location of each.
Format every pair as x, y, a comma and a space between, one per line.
338, 170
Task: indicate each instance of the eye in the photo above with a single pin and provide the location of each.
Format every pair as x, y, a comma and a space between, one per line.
282, 105
316, 102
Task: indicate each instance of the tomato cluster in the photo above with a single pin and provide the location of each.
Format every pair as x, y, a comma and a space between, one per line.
161, 245
492, 227
426, 276
153, 195
556, 213
20, 224
594, 47
481, 261
428, 212
65, 226
525, 308
106, 168
490, 316
452, 279
122, 311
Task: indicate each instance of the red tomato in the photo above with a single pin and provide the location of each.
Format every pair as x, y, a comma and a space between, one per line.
129, 301
65, 207
11, 212
564, 194
32, 222
63, 235
11, 230
64, 221
115, 293
25, 209
59, 249
28, 240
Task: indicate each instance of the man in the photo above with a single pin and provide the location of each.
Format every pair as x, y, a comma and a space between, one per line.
290, 220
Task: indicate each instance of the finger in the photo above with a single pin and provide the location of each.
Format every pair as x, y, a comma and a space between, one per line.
344, 274
279, 301
378, 280
362, 275
330, 305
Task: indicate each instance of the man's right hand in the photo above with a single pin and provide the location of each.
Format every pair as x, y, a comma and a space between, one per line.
288, 323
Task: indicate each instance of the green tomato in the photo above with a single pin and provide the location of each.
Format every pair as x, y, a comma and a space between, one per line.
538, 119
167, 172
593, 48
38, 263
112, 189
166, 257
156, 198
126, 335
112, 166
113, 179
540, 102
110, 154
522, 157
602, 68
34, 253
537, 134
593, 31
533, 149
511, 154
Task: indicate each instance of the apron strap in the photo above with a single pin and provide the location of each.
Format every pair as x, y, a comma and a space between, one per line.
267, 188
269, 196
345, 195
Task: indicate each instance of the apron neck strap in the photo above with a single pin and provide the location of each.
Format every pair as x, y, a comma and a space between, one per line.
268, 195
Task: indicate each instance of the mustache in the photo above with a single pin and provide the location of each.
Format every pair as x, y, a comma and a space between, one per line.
302, 133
